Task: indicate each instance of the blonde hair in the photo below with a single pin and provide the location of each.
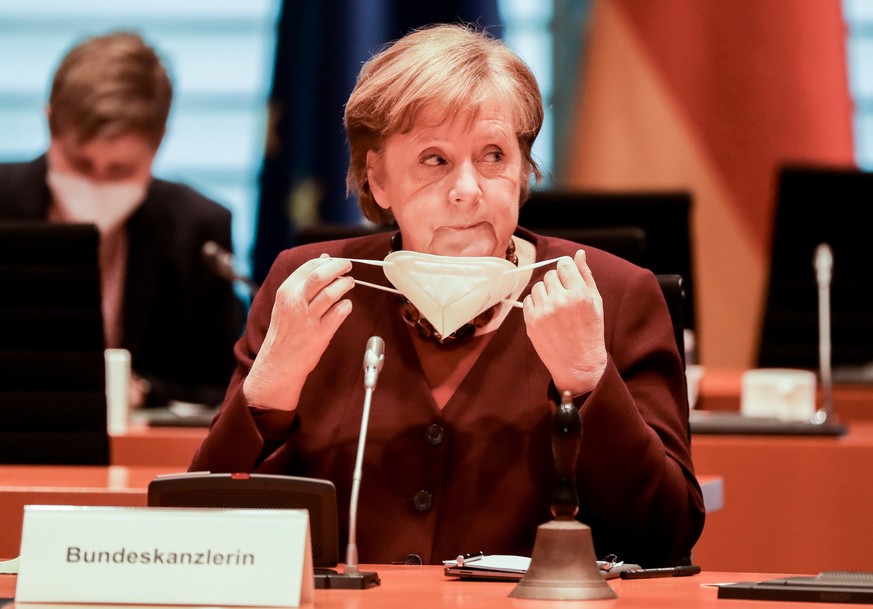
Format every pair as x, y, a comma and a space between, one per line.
111, 85
451, 69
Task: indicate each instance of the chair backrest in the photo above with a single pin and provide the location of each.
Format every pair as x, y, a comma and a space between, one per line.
628, 242
673, 287
52, 374
258, 491
819, 205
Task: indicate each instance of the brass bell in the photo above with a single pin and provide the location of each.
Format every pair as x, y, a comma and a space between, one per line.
563, 565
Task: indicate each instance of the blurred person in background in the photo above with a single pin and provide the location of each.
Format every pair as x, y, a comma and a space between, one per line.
107, 115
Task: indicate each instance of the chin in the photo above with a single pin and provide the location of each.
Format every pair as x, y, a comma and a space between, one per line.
468, 251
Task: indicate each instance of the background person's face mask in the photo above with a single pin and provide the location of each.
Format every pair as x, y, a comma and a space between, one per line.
106, 204
449, 291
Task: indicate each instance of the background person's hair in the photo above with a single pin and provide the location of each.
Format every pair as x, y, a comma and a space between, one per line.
108, 86
443, 70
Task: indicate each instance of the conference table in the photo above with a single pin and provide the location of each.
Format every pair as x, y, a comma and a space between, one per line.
786, 504
141, 445
797, 504
720, 389
425, 587
116, 485
22, 485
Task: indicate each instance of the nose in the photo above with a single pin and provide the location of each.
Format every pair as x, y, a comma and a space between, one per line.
465, 188
106, 172
95, 173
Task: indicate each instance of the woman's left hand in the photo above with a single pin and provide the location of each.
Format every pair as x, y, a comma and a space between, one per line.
564, 319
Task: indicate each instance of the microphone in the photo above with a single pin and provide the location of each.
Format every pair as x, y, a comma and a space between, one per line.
374, 356
823, 263
221, 262
352, 577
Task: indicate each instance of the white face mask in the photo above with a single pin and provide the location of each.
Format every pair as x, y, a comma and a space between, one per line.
449, 291
107, 204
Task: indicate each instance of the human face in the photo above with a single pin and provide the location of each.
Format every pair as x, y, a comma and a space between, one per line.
126, 158
453, 187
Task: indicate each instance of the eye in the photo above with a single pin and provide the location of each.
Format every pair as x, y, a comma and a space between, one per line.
493, 156
433, 160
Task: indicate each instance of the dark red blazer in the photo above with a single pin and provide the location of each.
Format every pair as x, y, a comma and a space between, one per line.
478, 474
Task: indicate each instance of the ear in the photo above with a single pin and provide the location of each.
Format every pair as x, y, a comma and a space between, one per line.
375, 173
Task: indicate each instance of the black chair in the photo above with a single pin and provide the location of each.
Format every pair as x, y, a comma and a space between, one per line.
258, 491
673, 288
52, 375
628, 242
820, 205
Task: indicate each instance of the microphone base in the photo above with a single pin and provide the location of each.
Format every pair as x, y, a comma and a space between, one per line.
330, 579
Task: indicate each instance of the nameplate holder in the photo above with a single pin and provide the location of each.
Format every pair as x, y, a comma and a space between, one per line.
165, 556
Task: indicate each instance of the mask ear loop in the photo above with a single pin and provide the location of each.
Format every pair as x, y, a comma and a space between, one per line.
367, 283
377, 286
528, 267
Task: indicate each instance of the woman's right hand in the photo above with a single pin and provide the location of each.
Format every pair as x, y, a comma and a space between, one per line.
306, 314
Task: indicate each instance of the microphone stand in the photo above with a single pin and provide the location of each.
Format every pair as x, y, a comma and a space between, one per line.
352, 578
221, 262
251, 286
351, 566
823, 266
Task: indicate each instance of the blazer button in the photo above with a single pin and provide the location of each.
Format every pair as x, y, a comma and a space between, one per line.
434, 434
423, 501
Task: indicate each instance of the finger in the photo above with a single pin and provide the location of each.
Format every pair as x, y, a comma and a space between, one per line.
537, 294
570, 273
330, 295
300, 274
527, 303
325, 271
552, 282
336, 315
581, 261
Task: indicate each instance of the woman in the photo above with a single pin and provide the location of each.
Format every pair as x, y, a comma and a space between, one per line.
458, 454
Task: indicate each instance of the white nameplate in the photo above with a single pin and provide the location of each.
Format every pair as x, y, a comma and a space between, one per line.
165, 556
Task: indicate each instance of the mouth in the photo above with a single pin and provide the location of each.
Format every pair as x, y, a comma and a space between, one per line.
464, 227
475, 239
